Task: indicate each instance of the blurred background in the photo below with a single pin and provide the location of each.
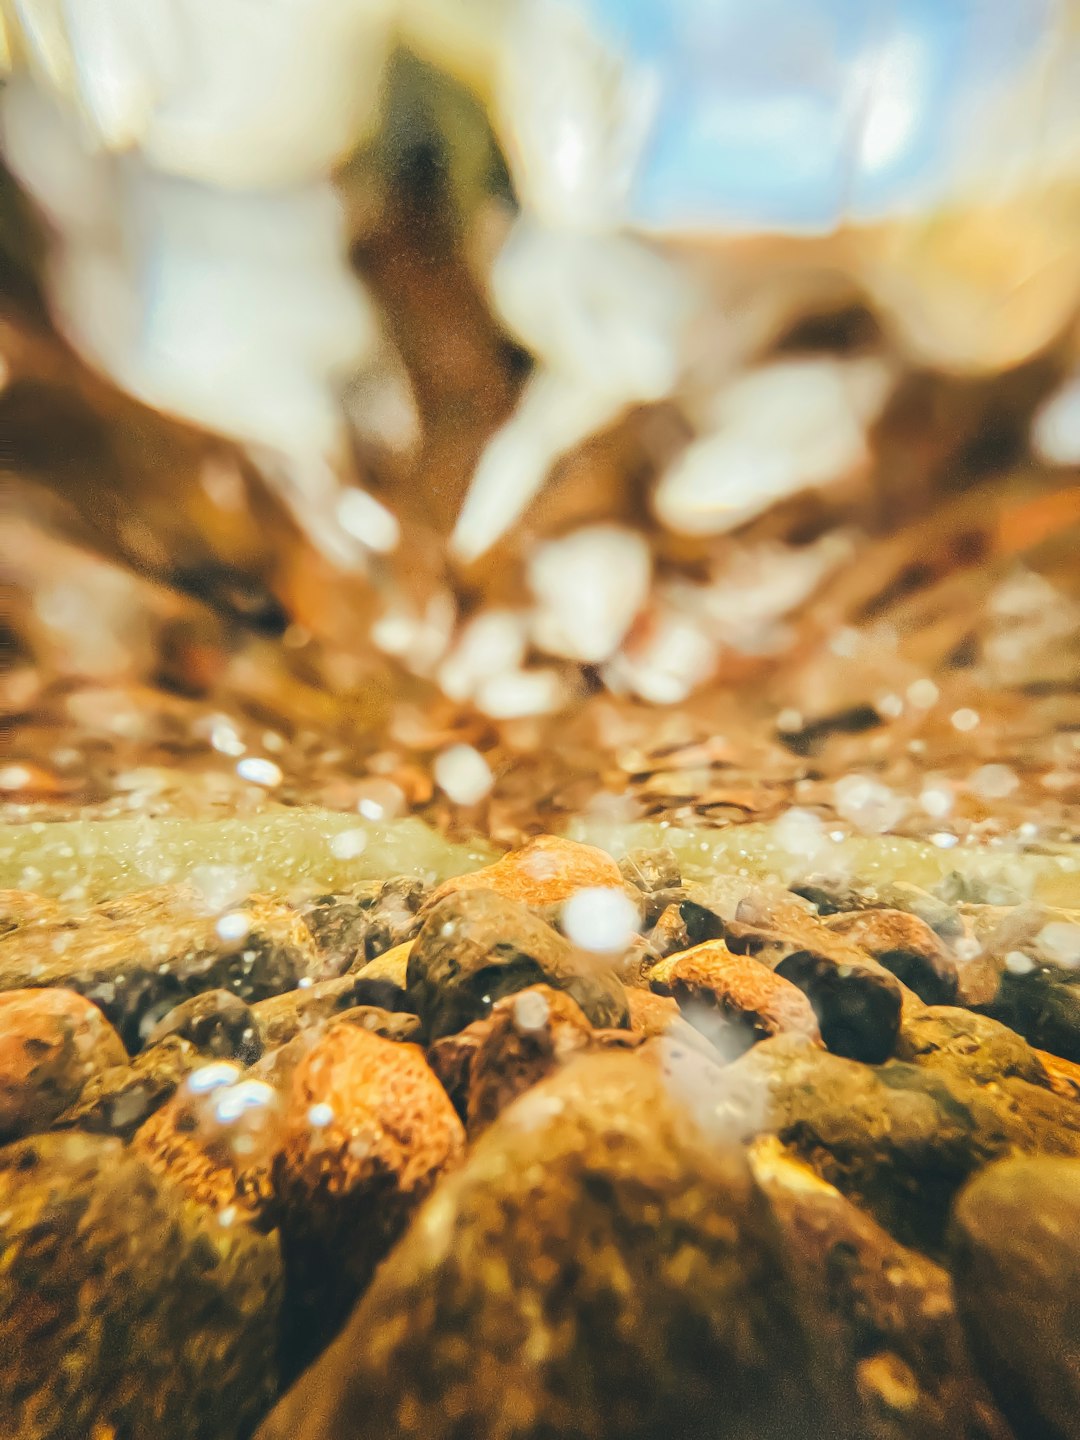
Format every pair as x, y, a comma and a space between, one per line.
686, 394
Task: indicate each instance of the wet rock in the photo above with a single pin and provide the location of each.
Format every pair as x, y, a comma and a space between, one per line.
451, 1060
832, 896
477, 946
652, 1015
1016, 1260
1044, 1007
683, 925
283, 1016
392, 967
896, 1341
651, 870
1062, 1076
756, 1002
22, 907
946, 1037
654, 879
528, 1036
390, 1024
124, 1310
546, 871
52, 1042
897, 1139
118, 1100
218, 1023
599, 1268
367, 1132
858, 1006
908, 947
216, 1139
140, 956
357, 925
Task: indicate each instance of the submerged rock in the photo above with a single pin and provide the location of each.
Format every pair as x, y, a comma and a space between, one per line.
281, 1017
1016, 1258
367, 1131
52, 1042
546, 871
218, 1023
756, 1002
139, 957
118, 1100
1043, 1006
896, 1342
908, 947
898, 1139
858, 1007
359, 924
598, 1269
477, 946
126, 1311
945, 1037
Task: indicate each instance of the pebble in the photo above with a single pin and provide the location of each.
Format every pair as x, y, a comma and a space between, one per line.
52, 1042
367, 1132
138, 957
217, 1022
217, 1145
527, 1037
124, 1310
118, 1100
279, 1018
897, 1139
546, 871
1016, 1259
888, 1320
756, 1001
390, 968
905, 945
357, 925
539, 1292
476, 946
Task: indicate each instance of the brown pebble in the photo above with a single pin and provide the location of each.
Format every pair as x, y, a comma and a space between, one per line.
650, 1014
51, 1043
905, 945
529, 1035
367, 1132
217, 1145
546, 871
751, 995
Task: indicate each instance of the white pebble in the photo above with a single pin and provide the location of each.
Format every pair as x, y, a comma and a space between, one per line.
600, 919
936, 799
868, 804
993, 782
225, 739
1017, 963
463, 774
491, 643
518, 693
923, 694
589, 586
1060, 943
320, 1115
260, 771
361, 516
14, 777
531, 1011
965, 720
380, 800
348, 844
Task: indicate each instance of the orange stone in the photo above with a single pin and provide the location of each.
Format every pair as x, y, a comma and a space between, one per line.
742, 988
546, 871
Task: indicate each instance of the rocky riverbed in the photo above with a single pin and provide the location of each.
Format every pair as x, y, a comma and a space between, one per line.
559, 1146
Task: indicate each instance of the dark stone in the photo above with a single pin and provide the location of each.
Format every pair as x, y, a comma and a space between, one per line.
357, 925
476, 946
218, 1023
1044, 1007
1016, 1260
857, 1008
126, 1311
945, 1037
907, 947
